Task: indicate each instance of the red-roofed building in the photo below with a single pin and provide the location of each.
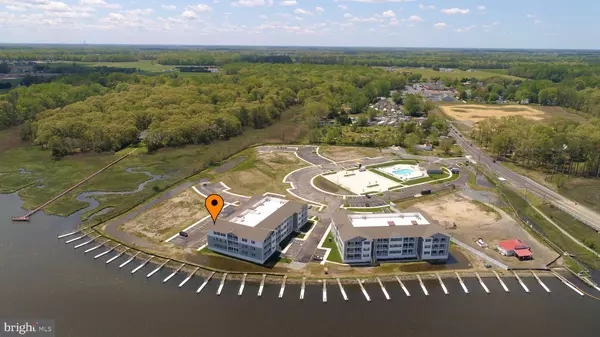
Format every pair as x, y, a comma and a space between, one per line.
515, 247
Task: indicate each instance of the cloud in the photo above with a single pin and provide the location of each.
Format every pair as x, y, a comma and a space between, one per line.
55, 6
415, 18
99, 3
263, 17
353, 18
343, 7
389, 14
440, 25
302, 11
189, 15
202, 8
531, 16
169, 7
452, 11
481, 7
464, 29
421, 6
252, 3
374, 1
534, 18
319, 10
288, 3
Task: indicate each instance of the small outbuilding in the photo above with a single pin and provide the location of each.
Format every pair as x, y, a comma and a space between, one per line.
515, 248
434, 169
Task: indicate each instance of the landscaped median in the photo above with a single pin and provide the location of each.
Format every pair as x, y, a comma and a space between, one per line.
334, 253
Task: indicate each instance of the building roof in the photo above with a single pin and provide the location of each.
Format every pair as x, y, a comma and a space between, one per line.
257, 226
513, 245
373, 226
523, 252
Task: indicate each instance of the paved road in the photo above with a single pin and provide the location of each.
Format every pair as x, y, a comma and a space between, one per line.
584, 214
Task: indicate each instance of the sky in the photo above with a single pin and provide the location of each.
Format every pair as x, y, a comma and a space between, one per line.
554, 24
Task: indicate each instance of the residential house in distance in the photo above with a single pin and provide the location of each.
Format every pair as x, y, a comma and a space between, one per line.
255, 230
368, 238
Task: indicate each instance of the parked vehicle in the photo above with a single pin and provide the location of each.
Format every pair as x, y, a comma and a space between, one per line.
184, 234
424, 192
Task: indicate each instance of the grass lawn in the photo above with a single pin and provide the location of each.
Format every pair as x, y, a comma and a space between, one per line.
548, 229
431, 177
330, 186
261, 172
176, 163
396, 162
387, 176
585, 191
334, 254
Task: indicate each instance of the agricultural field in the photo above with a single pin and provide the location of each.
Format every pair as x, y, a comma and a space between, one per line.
458, 74
143, 65
473, 113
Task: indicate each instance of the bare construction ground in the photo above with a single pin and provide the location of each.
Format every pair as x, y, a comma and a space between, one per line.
476, 112
167, 218
261, 172
476, 220
341, 153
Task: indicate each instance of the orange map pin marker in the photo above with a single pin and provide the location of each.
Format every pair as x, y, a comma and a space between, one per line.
214, 204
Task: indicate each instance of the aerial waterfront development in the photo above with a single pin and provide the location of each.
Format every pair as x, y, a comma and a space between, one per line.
171, 190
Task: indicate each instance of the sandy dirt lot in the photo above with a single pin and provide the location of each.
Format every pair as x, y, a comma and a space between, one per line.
475, 113
261, 172
167, 218
341, 153
474, 221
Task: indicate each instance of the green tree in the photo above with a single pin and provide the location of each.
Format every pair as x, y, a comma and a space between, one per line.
446, 145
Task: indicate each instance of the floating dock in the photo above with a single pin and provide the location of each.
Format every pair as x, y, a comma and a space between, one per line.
107, 251
173, 273
482, 284
462, 284
423, 286
262, 285
188, 278
142, 265
205, 282
95, 247
222, 284
385, 293
442, 284
403, 287
521, 282
342, 290
116, 256
130, 259
302, 288
324, 291
540, 282
364, 291
75, 239
86, 243
157, 269
69, 234
242, 284
501, 282
282, 289
568, 283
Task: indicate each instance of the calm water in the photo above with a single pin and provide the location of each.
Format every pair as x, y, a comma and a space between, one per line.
41, 277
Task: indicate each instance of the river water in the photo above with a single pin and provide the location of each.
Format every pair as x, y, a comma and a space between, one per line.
41, 277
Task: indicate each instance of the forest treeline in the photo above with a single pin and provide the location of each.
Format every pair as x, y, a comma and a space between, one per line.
78, 113
562, 145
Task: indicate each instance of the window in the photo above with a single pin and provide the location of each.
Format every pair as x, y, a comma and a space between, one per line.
244, 240
253, 242
427, 246
443, 239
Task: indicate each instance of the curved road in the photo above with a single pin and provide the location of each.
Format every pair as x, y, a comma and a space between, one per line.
582, 213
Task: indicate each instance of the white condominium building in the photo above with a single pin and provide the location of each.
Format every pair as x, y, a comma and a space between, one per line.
367, 238
253, 232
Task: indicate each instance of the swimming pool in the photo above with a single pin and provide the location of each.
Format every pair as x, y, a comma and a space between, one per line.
403, 172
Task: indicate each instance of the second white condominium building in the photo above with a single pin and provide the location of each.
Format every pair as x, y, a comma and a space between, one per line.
255, 230
367, 238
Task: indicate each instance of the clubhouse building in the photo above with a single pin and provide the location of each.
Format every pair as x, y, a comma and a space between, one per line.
256, 229
368, 238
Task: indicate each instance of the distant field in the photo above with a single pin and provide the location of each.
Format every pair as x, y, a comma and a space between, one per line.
143, 65
474, 113
479, 74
